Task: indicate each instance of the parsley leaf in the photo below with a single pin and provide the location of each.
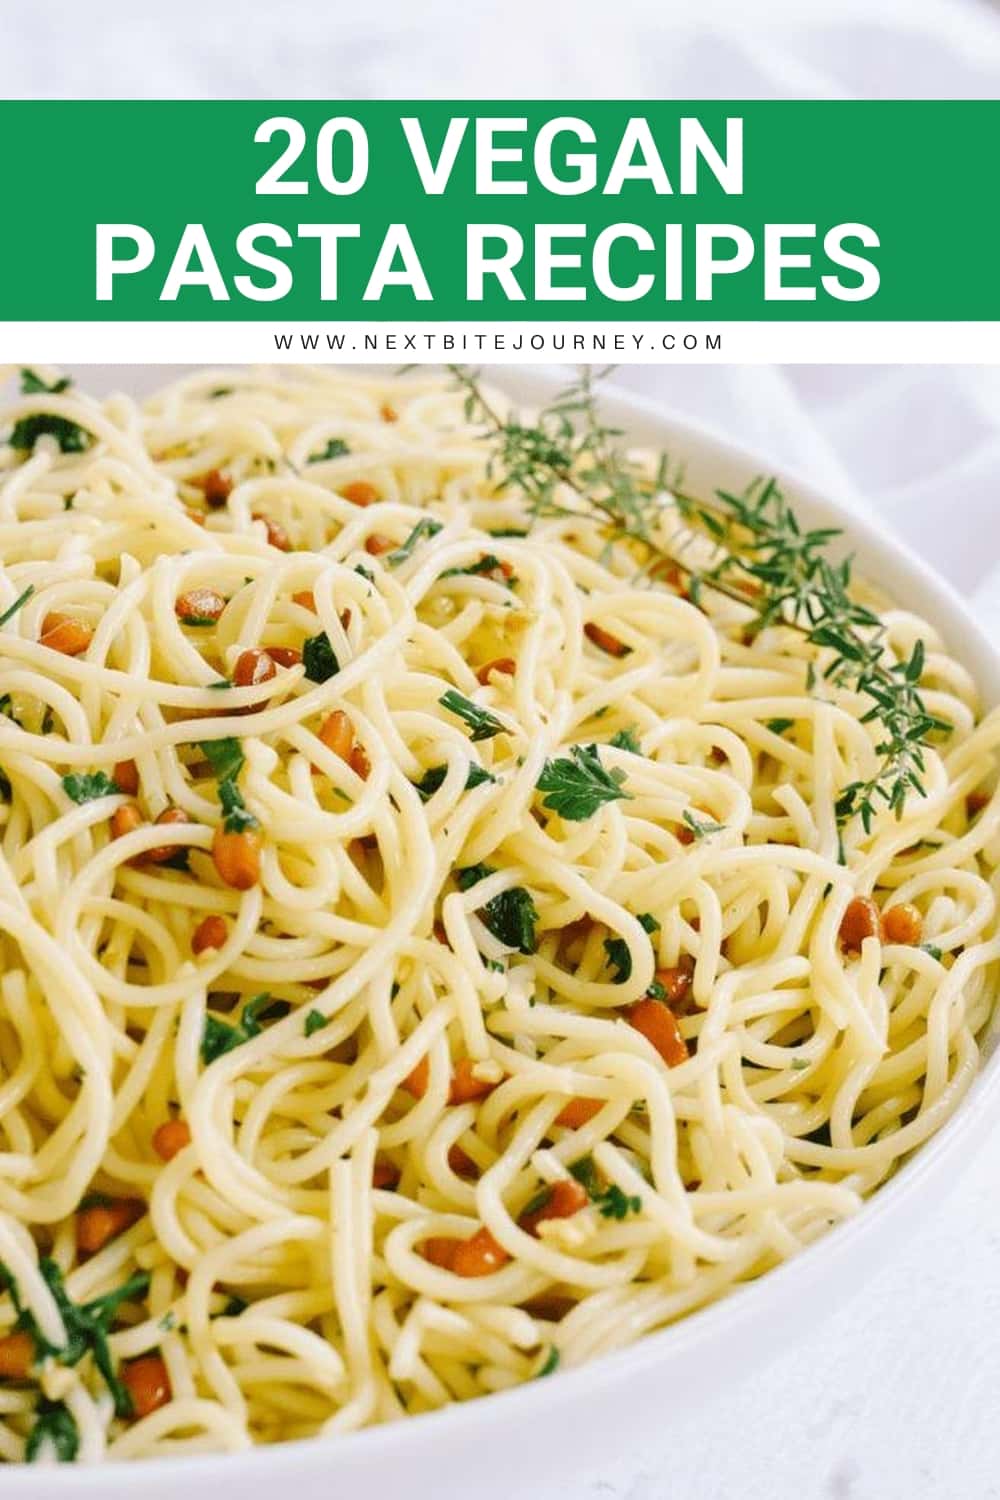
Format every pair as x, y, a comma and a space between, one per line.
32, 384
237, 818
578, 784
224, 756
511, 916
486, 565
335, 448
933, 950
425, 527
56, 1429
84, 786
314, 1021
70, 436
483, 724
432, 779
220, 1037
319, 658
19, 603
614, 1204
778, 726
551, 1363
619, 953
702, 827
625, 739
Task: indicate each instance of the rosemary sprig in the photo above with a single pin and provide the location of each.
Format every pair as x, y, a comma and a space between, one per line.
766, 561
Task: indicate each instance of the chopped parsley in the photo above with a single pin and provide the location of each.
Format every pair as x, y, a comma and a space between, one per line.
550, 1364
488, 563
314, 1021
70, 436
220, 1037
576, 785
19, 603
55, 1430
778, 726
511, 916
84, 786
614, 1204
483, 724
625, 739
933, 950
432, 780
87, 1325
702, 827
224, 756
425, 527
319, 658
33, 385
335, 448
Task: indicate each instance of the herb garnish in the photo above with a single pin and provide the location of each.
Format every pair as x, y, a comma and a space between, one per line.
425, 527
227, 760
620, 955
550, 1364
576, 785
771, 565
220, 1037
511, 916
433, 778
70, 436
319, 658
86, 1324
315, 1021
335, 448
626, 739
483, 724
84, 786
33, 385
19, 603
611, 1202
778, 726
56, 1427
702, 827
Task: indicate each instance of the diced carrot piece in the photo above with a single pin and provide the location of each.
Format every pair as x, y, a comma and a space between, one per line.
376, 543
284, 656
277, 536
605, 640
479, 1256
385, 1174
126, 777
215, 486
17, 1355
676, 982
903, 923
860, 920
658, 1024
147, 1383
211, 932
102, 1221
440, 1251
415, 1083
236, 857
170, 1138
564, 1199
125, 819
388, 413
306, 599
465, 1086
505, 665
579, 1112
64, 634
360, 492
461, 1162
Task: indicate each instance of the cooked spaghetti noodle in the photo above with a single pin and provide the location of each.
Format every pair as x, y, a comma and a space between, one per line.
498, 985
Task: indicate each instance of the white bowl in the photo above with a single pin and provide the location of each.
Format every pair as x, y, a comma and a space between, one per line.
569, 1423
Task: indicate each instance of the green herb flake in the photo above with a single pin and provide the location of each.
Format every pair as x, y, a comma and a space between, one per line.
54, 1432
314, 1022
483, 724
702, 827
778, 726
625, 739
224, 756
220, 1037
576, 785
70, 436
550, 1364
933, 950
335, 448
432, 780
614, 1204
34, 385
319, 658
19, 603
88, 786
423, 528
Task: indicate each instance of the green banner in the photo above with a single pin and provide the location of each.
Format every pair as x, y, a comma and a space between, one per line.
607, 211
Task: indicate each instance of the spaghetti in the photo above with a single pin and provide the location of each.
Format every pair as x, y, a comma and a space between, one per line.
429, 953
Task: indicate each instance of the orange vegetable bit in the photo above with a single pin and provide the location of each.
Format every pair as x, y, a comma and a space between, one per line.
337, 734
199, 604
169, 817
676, 982
479, 1256
126, 776
170, 1137
563, 1199
903, 923
359, 762
579, 1112
147, 1383
605, 640
506, 666
377, 543
976, 801
215, 486
860, 920
253, 667
17, 1355
388, 413
306, 598
211, 932
461, 1162
658, 1024
103, 1220
465, 1086
385, 1174
125, 820
236, 857
440, 1251
277, 536
360, 492
64, 634
415, 1083
284, 656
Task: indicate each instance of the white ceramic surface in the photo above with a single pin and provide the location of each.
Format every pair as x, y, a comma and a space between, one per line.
571, 1424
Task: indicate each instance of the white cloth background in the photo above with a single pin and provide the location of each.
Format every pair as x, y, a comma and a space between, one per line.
894, 1398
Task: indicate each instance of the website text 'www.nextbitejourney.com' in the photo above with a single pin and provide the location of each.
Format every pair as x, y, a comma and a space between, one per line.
586, 344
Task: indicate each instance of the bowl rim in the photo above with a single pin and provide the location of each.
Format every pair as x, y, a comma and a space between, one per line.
763, 1300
